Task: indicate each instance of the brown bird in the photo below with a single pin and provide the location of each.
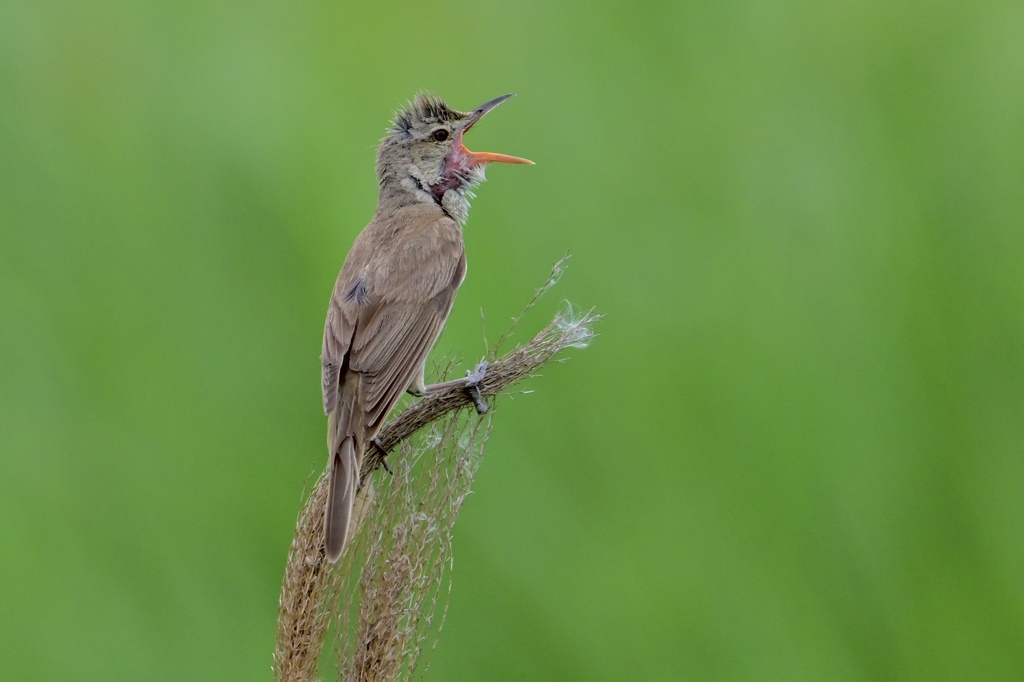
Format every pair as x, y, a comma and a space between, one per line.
397, 287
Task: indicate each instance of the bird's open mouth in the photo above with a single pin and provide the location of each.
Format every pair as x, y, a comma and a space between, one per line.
469, 158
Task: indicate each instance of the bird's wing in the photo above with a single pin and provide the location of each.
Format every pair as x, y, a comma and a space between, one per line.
338, 330
388, 309
392, 351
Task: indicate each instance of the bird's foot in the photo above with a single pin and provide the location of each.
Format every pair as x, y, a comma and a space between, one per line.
469, 384
473, 379
383, 455
477, 374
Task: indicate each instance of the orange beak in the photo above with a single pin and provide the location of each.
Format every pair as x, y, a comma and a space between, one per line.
477, 158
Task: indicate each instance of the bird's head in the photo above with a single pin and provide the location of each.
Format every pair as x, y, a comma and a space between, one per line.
425, 154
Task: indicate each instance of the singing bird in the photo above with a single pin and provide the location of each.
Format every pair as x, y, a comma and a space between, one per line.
397, 286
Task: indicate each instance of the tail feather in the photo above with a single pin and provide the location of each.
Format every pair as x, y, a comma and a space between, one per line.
341, 494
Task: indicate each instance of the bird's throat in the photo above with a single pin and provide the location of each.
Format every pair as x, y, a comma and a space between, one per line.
450, 182
455, 203
454, 189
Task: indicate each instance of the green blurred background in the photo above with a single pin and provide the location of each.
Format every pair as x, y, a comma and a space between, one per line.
796, 451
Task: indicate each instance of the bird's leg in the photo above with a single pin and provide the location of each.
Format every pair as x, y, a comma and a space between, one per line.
383, 455
470, 383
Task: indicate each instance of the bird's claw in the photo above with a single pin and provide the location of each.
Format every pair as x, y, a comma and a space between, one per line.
475, 376
383, 455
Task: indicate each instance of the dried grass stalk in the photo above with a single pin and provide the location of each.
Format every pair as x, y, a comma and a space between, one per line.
386, 594
400, 563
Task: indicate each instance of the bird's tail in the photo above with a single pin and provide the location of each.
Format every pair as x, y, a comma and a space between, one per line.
345, 439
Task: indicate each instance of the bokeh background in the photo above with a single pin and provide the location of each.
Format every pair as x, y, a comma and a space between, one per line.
796, 451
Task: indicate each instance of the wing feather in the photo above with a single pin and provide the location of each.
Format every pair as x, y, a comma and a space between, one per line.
389, 305
387, 369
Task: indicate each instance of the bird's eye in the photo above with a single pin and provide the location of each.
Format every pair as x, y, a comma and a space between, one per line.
440, 135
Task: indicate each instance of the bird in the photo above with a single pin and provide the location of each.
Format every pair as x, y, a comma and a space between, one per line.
396, 288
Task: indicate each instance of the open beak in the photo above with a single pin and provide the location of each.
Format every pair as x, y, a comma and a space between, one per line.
477, 158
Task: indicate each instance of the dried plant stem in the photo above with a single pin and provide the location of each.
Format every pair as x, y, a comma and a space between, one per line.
400, 559
308, 585
563, 332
